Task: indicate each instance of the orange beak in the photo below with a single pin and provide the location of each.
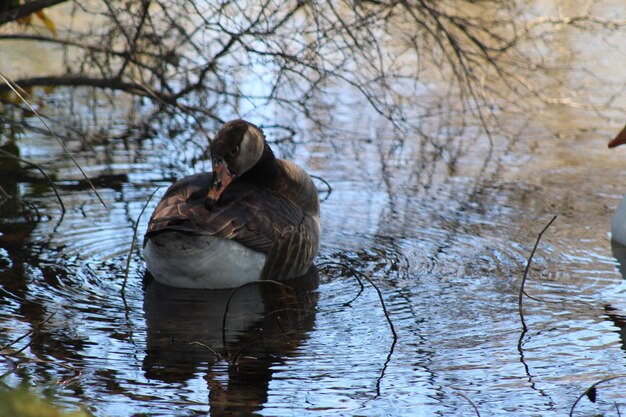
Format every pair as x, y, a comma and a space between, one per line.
620, 139
221, 178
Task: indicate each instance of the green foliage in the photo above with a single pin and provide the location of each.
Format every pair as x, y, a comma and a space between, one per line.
22, 403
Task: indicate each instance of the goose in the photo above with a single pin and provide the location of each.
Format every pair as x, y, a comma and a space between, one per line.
618, 224
255, 217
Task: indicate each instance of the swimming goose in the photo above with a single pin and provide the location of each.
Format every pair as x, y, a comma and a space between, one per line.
618, 224
254, 217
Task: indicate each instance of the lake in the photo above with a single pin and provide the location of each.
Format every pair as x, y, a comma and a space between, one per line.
443, 230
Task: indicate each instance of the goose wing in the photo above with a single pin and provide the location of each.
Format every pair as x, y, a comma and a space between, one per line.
252, 216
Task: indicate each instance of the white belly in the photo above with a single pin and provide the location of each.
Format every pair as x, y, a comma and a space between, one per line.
199, 261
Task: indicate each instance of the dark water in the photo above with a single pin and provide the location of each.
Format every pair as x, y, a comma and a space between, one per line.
445, 243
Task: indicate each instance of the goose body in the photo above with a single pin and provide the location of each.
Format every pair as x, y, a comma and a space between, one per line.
254, 217
618, 224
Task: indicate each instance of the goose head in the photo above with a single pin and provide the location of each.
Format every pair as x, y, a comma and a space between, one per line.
620, 139
238, 146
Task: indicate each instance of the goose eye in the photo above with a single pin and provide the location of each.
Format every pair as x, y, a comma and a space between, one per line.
234, 151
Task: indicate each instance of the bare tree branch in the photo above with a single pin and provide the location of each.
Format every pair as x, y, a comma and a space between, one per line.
205, 58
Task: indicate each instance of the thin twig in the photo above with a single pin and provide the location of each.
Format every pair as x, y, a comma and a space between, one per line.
521, 290
33, 330
393, 332
356, 273
40, 169
384, 306
592, 389
541, 300
132, 243
238, 354
460, 394
328, 191
67, 152
290, 309
230, 297
209, 348
383, 370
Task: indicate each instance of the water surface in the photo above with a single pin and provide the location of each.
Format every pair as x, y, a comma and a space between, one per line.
446, 244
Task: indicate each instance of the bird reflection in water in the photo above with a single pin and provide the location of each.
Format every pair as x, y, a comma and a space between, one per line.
265, 323
616, 315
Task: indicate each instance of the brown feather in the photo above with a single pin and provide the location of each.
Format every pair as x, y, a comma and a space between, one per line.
252, 216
